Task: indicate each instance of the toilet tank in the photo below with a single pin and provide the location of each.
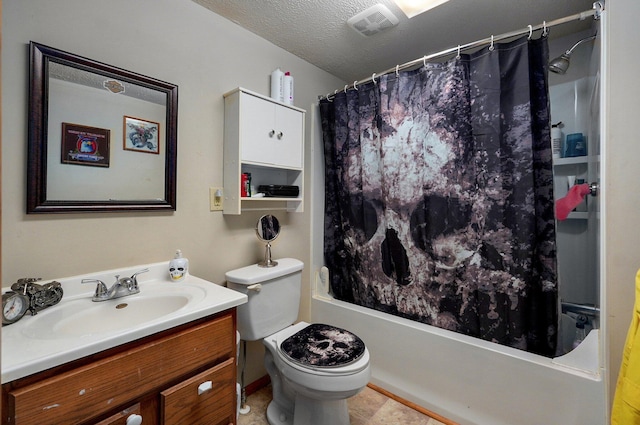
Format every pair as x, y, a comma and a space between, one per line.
273, 297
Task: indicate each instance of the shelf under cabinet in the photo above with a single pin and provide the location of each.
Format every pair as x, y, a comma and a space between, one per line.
271, 204
270, 198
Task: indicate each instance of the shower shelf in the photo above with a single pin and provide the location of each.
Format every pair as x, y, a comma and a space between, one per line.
578, 215
575, 160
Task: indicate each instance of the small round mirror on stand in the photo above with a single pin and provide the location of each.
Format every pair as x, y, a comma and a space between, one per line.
267, 230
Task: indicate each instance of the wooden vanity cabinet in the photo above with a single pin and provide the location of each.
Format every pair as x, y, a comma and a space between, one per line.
181, 376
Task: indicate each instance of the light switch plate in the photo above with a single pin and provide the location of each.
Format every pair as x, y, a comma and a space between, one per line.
216, 202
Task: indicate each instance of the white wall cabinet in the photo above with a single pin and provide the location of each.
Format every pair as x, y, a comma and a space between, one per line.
265, 138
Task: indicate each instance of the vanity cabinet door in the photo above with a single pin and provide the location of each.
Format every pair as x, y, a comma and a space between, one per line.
270, 133
207, 398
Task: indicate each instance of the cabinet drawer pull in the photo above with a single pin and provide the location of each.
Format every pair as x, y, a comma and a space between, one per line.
134, 419
204, 387
271, 133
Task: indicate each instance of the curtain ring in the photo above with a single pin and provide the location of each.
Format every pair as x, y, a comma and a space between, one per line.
458, 56
424, 61
599, 7
397, 67
330, 100
491, 47
545, 30
373, 78
530, 32
355, 85
345, 88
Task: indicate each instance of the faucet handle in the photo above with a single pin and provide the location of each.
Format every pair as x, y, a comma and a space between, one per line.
127, 282
135, 276
101, 288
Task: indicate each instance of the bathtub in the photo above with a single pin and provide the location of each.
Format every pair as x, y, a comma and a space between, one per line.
469, 380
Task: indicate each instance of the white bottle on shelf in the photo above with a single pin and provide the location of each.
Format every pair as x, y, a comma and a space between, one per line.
288, 88
556, 140
277, 85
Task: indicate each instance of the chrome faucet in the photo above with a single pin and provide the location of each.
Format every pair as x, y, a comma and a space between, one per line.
122, 287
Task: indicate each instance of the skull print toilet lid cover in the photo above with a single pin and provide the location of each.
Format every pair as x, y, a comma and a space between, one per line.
321, 345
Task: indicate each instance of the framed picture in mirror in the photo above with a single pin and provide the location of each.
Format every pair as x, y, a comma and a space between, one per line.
83, 145
141, 135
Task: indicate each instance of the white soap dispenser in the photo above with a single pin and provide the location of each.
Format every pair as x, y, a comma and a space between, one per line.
178, 267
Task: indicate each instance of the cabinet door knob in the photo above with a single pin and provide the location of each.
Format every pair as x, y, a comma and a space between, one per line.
271, 133
204, 387
134, 419
280, 134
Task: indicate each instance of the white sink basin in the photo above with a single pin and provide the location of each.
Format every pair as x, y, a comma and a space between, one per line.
83, 317
78, 327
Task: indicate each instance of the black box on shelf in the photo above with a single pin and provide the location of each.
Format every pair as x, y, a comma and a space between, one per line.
279, 190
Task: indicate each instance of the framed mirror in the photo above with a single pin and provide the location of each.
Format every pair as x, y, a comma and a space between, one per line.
100, 138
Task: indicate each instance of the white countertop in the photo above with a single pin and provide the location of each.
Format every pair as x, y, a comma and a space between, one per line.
24, 352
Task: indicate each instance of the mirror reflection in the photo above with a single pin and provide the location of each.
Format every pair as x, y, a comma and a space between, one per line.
268, 230
100, 138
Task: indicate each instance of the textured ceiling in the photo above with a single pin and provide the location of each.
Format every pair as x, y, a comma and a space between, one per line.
317, 30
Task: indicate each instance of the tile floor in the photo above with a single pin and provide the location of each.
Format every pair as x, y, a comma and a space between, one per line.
369, 407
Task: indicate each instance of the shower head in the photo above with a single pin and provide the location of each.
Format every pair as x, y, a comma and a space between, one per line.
560, 64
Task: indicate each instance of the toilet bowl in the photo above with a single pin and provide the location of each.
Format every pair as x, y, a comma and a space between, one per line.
313, 368
311, 394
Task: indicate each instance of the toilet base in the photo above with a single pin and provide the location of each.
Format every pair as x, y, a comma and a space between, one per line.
277, 415
310, 412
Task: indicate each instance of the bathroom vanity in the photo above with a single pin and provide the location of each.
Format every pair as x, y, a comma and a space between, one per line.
176, 368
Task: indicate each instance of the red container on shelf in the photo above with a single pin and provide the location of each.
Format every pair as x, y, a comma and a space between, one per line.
245, 185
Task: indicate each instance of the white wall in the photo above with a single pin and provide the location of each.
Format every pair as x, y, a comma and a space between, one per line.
622, 206
171, 40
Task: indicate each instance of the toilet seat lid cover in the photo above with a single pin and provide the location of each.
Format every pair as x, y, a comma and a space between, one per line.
320, 345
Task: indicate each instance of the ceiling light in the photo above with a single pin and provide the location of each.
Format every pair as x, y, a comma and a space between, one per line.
412, 8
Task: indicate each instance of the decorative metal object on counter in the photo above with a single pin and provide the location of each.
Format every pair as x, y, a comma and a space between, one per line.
28, 296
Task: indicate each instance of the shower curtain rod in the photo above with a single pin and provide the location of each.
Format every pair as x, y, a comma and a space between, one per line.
595, 12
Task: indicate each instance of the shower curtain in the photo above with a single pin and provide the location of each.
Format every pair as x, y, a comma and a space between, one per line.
439, 196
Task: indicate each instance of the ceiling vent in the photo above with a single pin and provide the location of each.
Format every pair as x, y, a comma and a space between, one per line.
375, 19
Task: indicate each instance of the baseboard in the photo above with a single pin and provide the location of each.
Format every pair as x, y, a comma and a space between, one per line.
257, 385
260, 383
412, 405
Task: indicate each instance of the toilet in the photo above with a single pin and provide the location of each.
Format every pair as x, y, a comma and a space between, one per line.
313, 368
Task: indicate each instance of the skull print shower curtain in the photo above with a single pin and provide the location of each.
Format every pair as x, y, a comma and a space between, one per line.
439, 196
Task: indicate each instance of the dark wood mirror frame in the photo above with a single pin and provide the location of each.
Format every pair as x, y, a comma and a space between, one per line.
37, 201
